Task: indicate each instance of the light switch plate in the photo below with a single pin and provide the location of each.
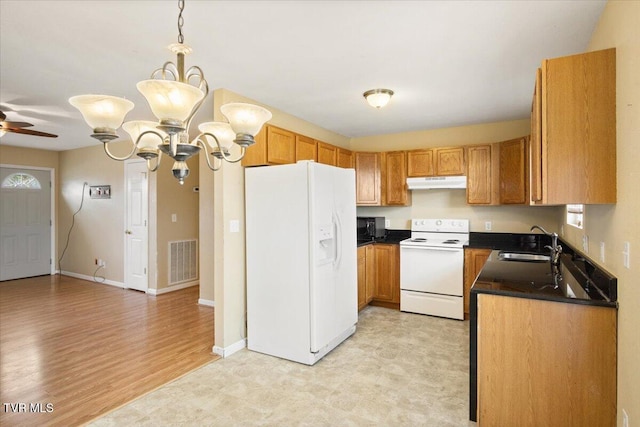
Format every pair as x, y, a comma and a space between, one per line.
234, 226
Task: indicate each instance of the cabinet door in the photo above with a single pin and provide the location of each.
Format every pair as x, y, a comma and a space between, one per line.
449, 161
306, 148
535, 147
370, 268
579, 129
367, 167
513, 172
281, 146
327, 153
362, 277
420, 163
395, 179
474, 260
256, 155
482, 174
345, 158
387, 282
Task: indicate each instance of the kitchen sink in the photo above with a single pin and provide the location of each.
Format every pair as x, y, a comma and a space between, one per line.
523, 256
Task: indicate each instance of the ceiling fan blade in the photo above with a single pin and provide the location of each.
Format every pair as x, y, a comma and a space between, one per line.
5, 124
30, 132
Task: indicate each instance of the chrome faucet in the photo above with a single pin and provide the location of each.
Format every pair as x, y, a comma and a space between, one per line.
555, 248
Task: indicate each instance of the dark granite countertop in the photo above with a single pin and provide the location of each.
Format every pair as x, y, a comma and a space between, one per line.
391, 237
580, 281
522, 242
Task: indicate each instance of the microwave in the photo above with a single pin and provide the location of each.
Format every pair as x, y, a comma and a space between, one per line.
370, 227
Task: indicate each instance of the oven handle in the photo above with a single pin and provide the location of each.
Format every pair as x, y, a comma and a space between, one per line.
431, 248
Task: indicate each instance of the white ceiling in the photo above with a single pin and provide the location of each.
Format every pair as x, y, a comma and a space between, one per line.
450, 63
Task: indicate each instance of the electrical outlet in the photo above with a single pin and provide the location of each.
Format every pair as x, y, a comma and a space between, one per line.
387, 223
104, 264
585, 244
174, 217
601, 251
487, 225
625, 419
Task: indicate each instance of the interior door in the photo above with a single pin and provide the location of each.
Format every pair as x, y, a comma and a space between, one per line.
136, 226
25, 223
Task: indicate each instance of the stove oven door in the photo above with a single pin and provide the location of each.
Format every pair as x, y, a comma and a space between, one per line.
431, 281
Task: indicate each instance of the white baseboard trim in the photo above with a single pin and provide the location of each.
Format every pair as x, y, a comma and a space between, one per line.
185, 285
229, 350
207, 302
90, 279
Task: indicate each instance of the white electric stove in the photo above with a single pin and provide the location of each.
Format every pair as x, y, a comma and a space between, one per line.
431, 267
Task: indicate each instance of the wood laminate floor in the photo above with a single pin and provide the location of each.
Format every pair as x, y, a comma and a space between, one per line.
71, 350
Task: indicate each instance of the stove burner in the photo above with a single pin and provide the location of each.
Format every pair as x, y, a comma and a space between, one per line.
418, 239
451, 242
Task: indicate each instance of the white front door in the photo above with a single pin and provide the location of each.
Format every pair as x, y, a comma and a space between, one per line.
25, 223
136, 228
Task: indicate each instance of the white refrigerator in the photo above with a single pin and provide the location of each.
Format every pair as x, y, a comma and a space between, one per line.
302, 291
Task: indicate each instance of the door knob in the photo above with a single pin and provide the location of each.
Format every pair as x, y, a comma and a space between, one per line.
128, 232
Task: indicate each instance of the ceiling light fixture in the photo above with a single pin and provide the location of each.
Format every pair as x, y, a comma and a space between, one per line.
378, 98
174, 95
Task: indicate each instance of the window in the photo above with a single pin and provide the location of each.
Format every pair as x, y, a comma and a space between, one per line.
21, 180
575, 215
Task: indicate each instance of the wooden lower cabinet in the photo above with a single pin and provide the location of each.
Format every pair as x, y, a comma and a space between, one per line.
545, 363
366, 275
379, 275
387, 275
474, 260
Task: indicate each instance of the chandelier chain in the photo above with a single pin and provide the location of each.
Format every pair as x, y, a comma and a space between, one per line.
180, 21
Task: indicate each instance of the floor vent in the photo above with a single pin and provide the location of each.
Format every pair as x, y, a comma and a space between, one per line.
183, 261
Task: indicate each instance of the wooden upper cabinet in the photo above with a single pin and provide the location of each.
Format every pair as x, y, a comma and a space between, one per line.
420, 163
535, 143
578, 130
344, 158
395, 190
367, 167
513, 172
306, 148
483, 174
327, 153
256, 155
281, 146
273, 146
449, 161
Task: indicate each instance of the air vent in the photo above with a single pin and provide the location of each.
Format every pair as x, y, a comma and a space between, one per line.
183, 261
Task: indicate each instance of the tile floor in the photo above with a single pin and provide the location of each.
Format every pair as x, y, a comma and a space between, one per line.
398, 369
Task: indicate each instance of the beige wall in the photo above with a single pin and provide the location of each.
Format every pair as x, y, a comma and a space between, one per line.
452, 203
98, 231
181, 200
619, 27
99, 227
18, 156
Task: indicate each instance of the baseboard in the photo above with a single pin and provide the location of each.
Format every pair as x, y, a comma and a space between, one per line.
229, 350
207, 302
172, 288
90, 279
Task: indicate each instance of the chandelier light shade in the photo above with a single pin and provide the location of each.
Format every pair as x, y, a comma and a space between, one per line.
246, 120
222, 132
103, 113
378, 98
171, 102
174, 96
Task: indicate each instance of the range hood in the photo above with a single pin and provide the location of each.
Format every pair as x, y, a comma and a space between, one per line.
436, 182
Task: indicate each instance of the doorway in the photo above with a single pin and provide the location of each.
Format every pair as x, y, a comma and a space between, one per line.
136, 251
26, 222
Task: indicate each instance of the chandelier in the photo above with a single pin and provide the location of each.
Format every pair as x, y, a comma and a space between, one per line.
174, 95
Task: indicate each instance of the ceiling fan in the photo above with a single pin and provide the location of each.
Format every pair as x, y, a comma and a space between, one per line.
18, 127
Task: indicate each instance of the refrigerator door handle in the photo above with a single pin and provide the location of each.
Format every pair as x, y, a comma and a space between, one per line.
338, 240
